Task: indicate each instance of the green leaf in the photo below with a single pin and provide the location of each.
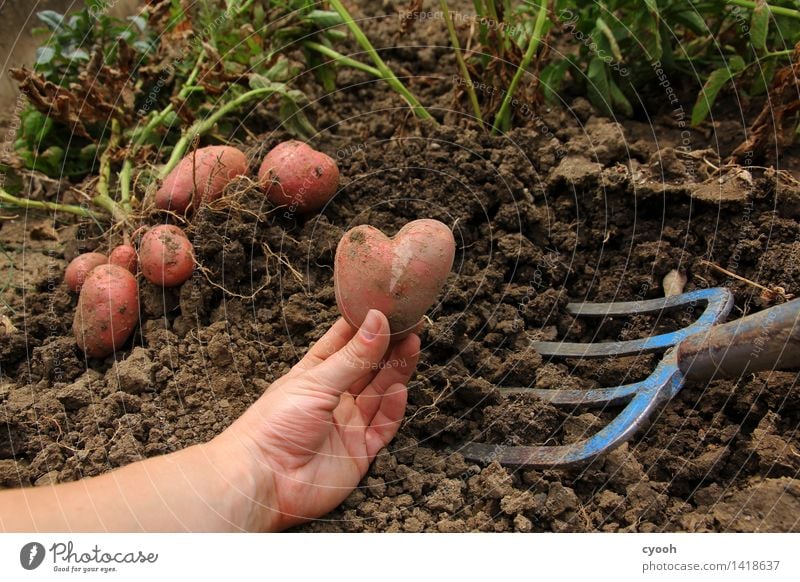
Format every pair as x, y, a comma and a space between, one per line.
647, 34
51, 18
708, 94
597, 89
551, 78
618, 99
759, 26
78, 54
612, 42
295, 120
280, 70
652, 6
139, 21
295, 95
88, 153
258, 16
736, 63
257, 81
50, 160
74, 21
142, 46
691, 20
334, 35
763, 78
324, 73
33, 122
325, 18
44, 54
26, 156
40, 136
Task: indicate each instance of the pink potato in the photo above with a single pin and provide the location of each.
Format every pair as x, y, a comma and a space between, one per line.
200, 177
107, 312
299, 177
125, 257
79, 269
400, 276
166, 256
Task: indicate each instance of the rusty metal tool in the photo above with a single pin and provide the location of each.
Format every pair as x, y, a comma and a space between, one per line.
769, 339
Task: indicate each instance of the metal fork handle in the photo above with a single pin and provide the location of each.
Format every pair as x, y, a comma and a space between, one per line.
767, 340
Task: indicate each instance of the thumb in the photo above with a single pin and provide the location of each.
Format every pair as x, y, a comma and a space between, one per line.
360, 357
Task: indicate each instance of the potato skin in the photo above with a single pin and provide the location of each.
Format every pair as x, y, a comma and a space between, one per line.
79, 269
210, 169
107, 312
125, 257
400, 276
166, 256
299, 177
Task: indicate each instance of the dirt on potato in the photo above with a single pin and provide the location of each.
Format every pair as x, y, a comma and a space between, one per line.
570, 206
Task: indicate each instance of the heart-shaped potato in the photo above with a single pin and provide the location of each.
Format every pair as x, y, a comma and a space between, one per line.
400, 276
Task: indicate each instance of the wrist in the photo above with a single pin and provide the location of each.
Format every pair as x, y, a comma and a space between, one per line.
247, 485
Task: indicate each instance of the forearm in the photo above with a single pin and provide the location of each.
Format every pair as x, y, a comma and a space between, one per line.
202, 488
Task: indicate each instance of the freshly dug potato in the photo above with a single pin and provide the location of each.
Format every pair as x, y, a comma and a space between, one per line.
107, 312
124, 256
400, 276
166, 256
200, 177
299, 177
79, 268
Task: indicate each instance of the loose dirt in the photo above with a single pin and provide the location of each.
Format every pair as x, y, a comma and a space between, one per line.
570, 206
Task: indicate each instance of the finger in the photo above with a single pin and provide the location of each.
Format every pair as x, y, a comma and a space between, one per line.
397, 369
362, 383
356, 360
386, 423
331, 342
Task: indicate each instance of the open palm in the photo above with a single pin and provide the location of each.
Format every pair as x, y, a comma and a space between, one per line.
316, 430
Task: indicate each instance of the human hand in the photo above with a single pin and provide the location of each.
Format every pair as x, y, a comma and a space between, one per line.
312, 435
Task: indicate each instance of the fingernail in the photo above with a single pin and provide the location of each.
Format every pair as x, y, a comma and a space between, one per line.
371, 325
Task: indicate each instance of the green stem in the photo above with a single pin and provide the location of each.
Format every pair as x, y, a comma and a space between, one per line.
780, 10
144, 134
105, 160
451, 28
40, 205
342, 59
386, 73
203, 126
187, 88
103, 200
244, 7
786, 53
114, 209
125, 184
491, 9
503, 119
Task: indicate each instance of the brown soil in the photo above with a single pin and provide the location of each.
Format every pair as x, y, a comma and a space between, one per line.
570, 206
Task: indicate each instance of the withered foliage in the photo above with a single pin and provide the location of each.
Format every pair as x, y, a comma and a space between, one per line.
783, 100
102, 93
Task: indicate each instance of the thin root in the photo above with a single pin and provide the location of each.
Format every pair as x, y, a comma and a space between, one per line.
268, 252
206, 273
767, 293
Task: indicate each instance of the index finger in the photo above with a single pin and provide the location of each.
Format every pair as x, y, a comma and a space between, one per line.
331, 342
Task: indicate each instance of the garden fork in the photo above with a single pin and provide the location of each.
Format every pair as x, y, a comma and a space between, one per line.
769, 339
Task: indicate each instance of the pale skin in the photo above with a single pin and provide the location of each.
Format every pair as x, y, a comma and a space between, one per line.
293, 456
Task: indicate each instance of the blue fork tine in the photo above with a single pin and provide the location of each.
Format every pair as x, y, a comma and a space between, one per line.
768, 339
719, 303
